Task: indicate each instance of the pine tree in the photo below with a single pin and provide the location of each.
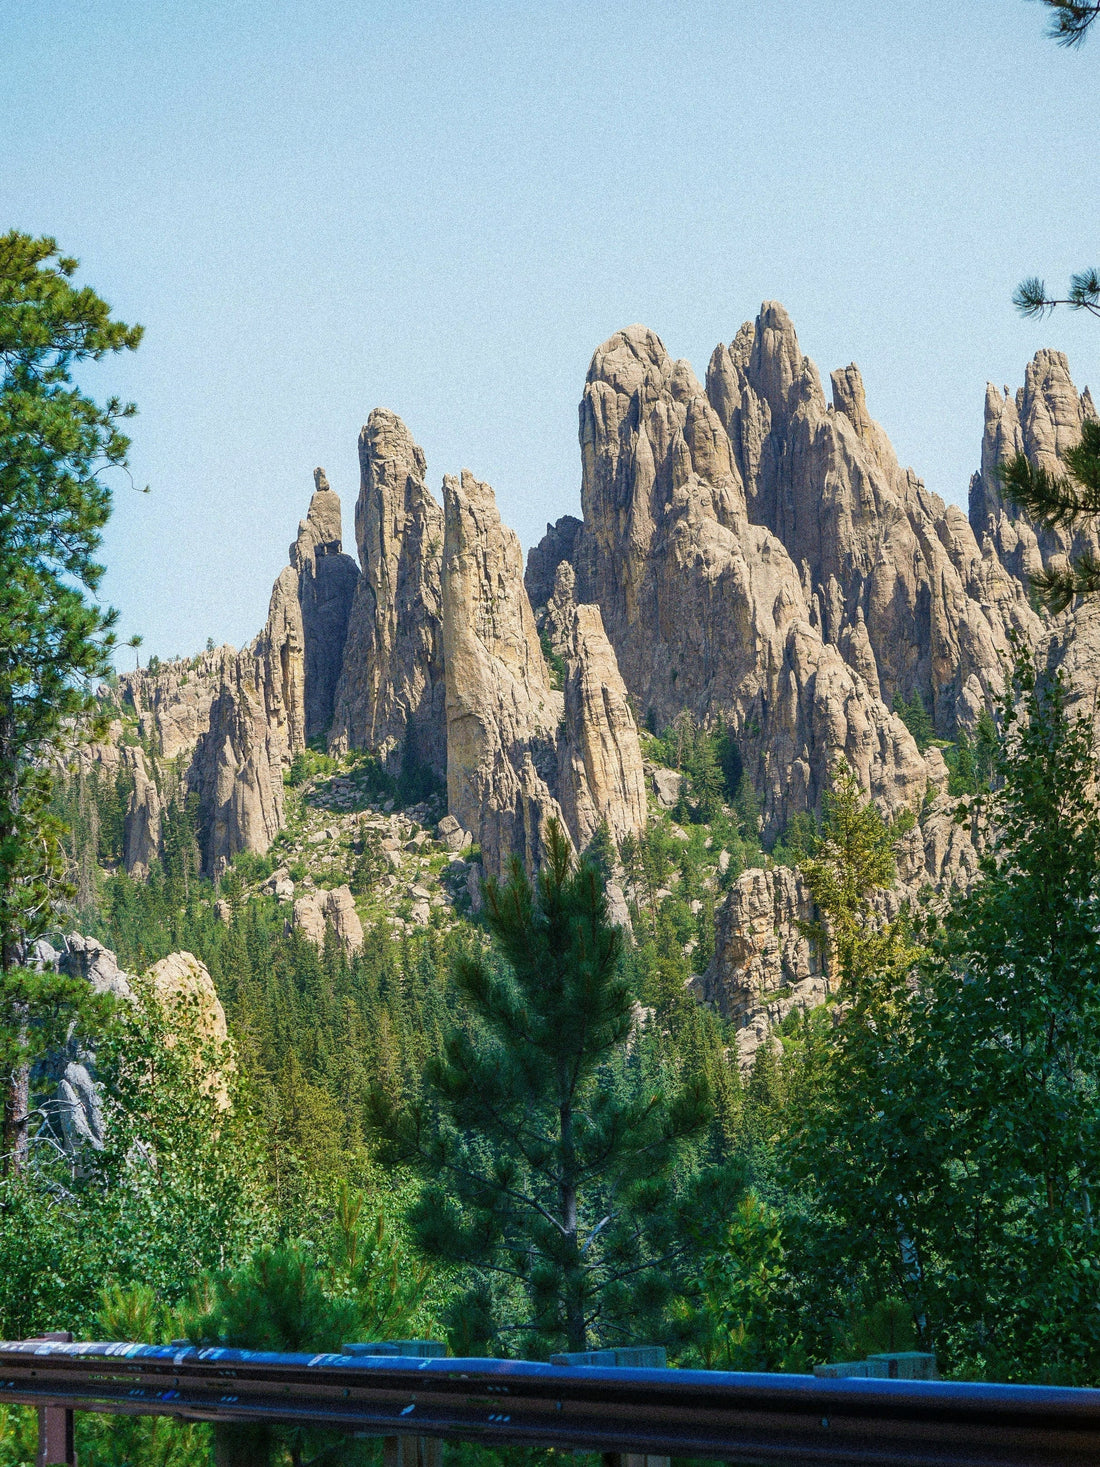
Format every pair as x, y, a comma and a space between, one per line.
55, 443
854, 858
548, 1184
1062, 501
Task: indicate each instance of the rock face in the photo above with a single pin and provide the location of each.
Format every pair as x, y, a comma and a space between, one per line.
519, 750
307, 624
704, 608
143, 815
237, 768
558, 544
390, 696
601, 780
318, 911
1041, 420
185, 992
893, 576
764, 965
502, 713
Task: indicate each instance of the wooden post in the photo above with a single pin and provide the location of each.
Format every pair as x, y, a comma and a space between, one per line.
412, 1451
56, 1445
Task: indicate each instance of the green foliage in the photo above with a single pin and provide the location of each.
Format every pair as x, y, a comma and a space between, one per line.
1057, 500
176, 1191
600, 851
733, 1311
914, 714
308, 764
547, 1155
709, 759
853, 858
370, 864
798, 840
947, 1122
554, 661
55, 442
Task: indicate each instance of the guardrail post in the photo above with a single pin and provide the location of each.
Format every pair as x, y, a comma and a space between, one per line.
56, 1444
412, 1451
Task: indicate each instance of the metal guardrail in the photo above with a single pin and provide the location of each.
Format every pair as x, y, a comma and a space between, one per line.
793, 1420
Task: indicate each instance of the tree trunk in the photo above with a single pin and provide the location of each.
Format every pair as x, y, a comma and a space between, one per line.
16, 1104
575, 1332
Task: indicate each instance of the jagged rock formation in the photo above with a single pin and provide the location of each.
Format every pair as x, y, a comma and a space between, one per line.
749, 552
765, 964
502, 713
519, 750
319, 911
558, 544
237, 768
390, 696
704, 608
601, 780
1041, 420
184, 991
302, 644
892, 575
143, 815
227, 723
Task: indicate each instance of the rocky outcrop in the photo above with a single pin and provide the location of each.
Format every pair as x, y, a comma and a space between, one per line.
519, 750
318, 912
302, 644
1040, 420
893, 576
85, 957
143, 815
600, 780
765, 964
705, 609
503, 716
184, 991
558, 544
390, 696
237, 769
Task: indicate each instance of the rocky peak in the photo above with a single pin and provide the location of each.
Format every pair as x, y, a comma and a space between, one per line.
502, 713
1040, 420
892, 576
706, 610
558, 544
601, 776
321, 532
390, 696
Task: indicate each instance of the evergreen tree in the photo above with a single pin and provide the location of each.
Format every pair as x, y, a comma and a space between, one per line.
853, 858
1008, 1061
55, 443
914, 714
1062, 500
1071, 20
547, 1181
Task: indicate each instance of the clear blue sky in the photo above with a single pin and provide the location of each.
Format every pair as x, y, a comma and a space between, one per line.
316, 208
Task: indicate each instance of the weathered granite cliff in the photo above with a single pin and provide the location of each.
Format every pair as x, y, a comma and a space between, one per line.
502, 713
765, 964
390, 696
893, 576
705, 609
1041, 420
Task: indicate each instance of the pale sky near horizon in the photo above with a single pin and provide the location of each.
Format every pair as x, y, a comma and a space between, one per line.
317, 208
